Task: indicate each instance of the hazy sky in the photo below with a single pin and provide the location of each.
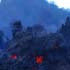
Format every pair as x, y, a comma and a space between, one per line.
31, 12
0, 1
61, 3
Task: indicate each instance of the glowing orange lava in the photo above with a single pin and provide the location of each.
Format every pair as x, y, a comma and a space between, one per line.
14, 56
39, 59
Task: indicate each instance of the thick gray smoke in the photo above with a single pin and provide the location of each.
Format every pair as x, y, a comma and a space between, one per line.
31, 12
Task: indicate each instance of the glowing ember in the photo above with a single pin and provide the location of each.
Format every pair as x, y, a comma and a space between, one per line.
39, 59
14, 56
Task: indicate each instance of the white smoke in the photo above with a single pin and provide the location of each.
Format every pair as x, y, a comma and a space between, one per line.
61, 3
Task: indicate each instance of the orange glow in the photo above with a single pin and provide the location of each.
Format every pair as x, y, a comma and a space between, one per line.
39, 59
14, 56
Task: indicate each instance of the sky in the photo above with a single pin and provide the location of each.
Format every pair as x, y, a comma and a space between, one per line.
0, 1
31, 12
61, 3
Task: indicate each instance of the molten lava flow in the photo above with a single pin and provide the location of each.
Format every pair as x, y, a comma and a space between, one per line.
39, 59
14, 56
